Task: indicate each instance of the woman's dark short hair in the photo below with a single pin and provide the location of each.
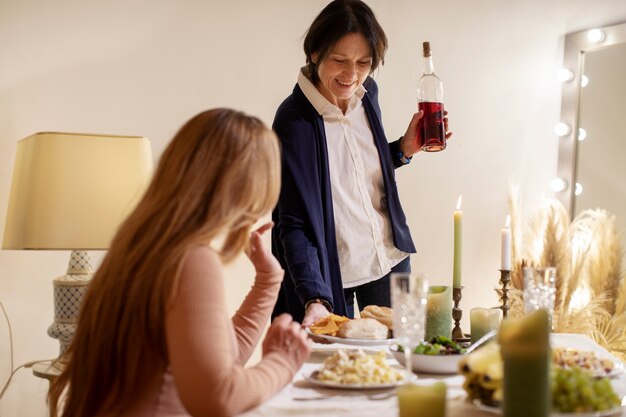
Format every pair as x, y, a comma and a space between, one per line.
338, 19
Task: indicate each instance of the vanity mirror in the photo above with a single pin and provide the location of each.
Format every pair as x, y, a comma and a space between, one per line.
592, 144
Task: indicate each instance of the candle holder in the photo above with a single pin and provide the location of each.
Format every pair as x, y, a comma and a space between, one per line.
457, 313
505, 278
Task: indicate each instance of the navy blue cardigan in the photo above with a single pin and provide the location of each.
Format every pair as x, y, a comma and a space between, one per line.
303, 238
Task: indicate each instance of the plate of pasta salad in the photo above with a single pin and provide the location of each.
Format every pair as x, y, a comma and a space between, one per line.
355, 369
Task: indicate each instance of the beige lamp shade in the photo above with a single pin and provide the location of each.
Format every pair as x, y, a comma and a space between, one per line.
72, 191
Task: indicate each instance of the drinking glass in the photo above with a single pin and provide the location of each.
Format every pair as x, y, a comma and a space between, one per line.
539, 290
408, 299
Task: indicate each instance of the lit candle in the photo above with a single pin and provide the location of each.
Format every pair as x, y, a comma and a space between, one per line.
506, 245
458, 233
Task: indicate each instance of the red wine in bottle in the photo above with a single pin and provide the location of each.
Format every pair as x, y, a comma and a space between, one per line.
430, 99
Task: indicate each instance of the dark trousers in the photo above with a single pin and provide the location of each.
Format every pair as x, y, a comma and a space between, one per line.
376, 292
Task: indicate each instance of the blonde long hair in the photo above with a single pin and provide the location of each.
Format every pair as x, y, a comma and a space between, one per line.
217, 177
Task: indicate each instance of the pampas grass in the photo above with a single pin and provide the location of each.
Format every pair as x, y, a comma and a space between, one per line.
590, 284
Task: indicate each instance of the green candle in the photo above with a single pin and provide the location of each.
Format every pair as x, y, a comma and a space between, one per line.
422, 400
458, 235
525, 348
439, 312
483, 320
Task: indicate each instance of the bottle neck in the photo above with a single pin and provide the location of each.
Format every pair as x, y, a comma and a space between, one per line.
428, 65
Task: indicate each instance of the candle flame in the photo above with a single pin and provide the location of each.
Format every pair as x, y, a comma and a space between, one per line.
458, 202
507, 224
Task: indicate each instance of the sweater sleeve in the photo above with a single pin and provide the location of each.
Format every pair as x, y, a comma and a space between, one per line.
254, 312
209, 378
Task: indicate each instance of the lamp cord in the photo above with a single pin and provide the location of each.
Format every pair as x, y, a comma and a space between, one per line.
25, 365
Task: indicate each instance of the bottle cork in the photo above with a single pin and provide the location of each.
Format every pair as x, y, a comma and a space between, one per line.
426, 49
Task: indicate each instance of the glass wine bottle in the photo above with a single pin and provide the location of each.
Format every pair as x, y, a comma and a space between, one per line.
430, 100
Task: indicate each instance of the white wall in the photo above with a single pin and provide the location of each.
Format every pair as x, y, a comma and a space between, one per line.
144, 67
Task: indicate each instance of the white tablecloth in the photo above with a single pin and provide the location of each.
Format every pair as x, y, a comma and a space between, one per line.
291, 401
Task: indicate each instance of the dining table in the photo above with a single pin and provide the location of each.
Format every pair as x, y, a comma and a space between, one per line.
303, 398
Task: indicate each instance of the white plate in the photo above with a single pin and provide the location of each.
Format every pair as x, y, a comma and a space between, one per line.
497, 410
312, 378
430, 364
352, 342
583, 343
618, 369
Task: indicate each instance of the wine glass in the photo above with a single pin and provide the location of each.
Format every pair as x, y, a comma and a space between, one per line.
540, 290
408, 298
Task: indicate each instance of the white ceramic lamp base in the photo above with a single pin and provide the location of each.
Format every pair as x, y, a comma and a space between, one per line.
69, 291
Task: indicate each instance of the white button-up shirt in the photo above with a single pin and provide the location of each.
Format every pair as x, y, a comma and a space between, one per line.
362, 226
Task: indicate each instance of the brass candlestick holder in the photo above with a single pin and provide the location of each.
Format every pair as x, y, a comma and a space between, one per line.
505, 278
457, 313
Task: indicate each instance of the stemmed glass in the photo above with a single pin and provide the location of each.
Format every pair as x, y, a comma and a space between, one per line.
539, 290
408, 298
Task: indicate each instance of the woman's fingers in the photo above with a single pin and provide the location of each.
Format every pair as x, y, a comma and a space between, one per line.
264, 228
287, 337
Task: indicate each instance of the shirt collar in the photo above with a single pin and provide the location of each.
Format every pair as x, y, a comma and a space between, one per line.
321, 103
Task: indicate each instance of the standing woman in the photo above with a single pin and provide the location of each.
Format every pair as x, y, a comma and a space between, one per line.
154, 337
340, 228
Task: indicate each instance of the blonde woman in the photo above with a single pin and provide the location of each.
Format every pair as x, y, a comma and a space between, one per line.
154, 337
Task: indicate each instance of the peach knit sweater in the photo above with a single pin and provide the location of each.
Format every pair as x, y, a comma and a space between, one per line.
208, 350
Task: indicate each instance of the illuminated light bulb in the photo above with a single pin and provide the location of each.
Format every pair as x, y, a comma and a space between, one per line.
595, 35
582, 134
558, 184
562, 129
564, 75
579, 189
584, 81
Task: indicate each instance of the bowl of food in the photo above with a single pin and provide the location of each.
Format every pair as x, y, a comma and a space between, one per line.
440, 355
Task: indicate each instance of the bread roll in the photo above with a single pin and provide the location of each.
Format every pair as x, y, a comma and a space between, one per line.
382, 314
363, 329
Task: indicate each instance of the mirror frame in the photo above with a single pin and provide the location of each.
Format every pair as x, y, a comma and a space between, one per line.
575, 46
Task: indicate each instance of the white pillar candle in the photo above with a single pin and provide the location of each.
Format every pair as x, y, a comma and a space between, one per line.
506, 245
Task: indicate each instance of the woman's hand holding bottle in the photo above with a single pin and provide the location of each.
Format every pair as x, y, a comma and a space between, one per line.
412, 141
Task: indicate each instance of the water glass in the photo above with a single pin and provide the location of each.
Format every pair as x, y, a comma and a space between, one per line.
540, 290
408, 299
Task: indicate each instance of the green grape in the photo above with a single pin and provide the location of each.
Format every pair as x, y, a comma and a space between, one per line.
576, 390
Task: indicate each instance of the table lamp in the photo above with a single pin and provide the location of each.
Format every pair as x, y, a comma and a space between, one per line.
71, 191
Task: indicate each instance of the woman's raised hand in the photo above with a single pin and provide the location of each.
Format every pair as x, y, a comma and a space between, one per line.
288, 338
259, 255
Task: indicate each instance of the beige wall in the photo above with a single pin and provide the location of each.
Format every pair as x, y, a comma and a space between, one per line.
143, 67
